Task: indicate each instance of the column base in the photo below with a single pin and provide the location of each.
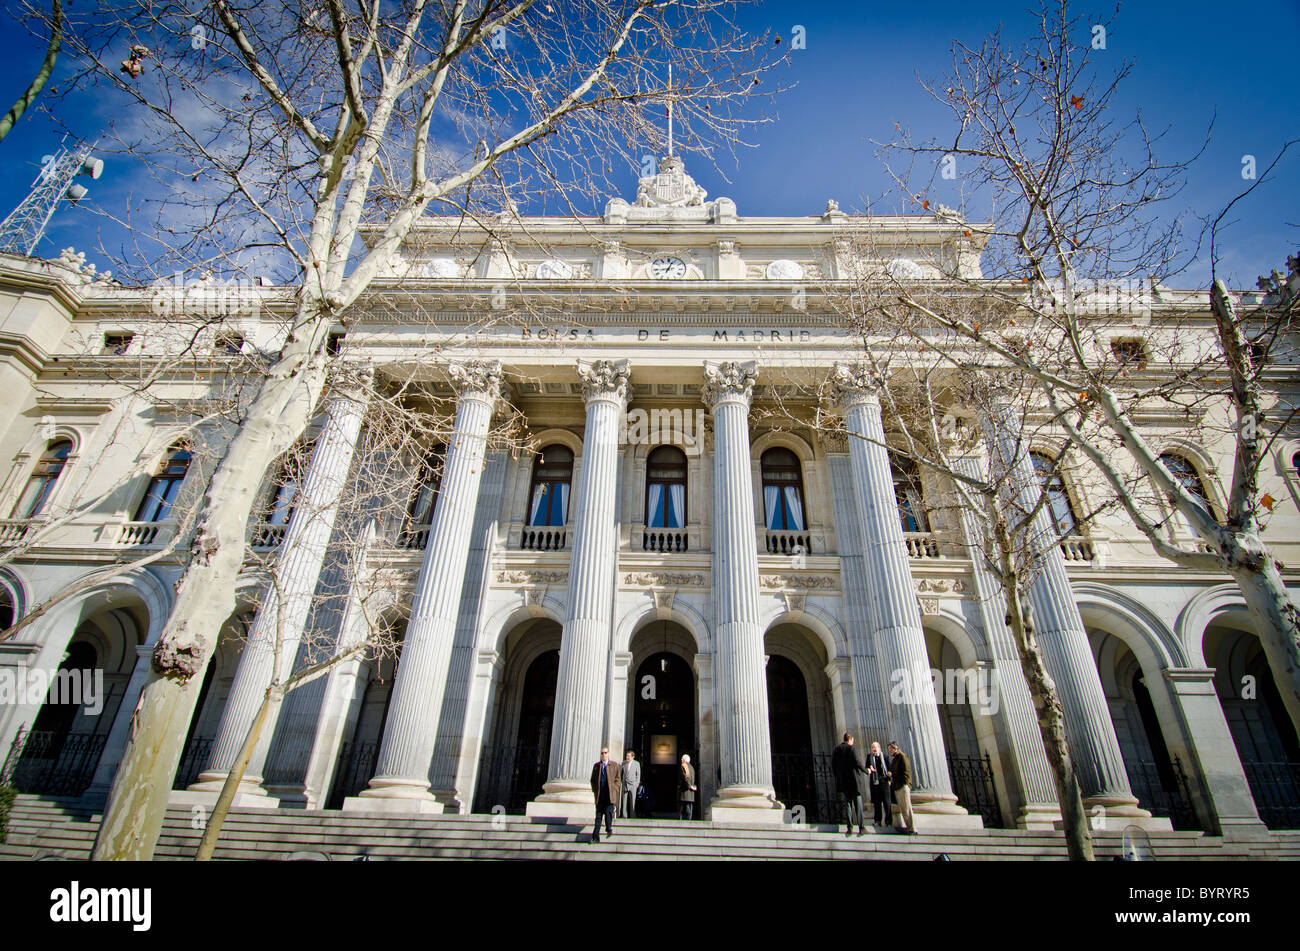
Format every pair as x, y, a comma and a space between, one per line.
747, 805
936, 804
208, 799
1115, 806
1039, 817
394, 796
1102, 819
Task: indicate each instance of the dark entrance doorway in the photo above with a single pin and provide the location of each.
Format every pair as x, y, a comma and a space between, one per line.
663, 728
796, 768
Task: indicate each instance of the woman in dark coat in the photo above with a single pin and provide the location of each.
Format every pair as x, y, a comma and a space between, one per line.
686, 788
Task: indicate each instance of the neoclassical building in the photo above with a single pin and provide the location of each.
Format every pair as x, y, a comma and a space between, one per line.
679, 567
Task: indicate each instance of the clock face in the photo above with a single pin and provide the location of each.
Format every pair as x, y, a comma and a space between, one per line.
668, 268
553, 270
441, 269
784, 271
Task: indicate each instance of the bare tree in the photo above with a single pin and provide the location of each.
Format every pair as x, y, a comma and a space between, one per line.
1069, 291
284, 132
10, 118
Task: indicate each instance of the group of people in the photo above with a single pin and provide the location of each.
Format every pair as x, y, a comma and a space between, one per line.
615, 785
887, 778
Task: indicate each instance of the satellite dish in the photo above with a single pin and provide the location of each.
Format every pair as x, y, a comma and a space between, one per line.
94, 167
76, 192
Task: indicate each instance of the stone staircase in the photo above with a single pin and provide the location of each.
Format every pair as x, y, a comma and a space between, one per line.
44, 828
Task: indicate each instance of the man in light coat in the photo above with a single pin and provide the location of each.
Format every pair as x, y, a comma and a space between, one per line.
631, 785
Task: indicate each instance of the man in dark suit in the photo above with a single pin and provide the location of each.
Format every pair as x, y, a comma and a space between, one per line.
850, 775
878, 779
606, 787
900, 778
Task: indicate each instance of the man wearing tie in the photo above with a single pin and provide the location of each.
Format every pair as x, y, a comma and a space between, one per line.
605, 787
878, 776
631, 781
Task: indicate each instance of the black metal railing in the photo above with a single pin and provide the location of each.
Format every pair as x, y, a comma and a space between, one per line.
972, 781
510, 776
805, 780
1276, 790
54, 764
1161, 789
193, 759
356, 766
664, 540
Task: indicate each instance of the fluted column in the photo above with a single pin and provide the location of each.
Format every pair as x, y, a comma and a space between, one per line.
894, 613
288, 599
1035, 784
1058, 626
401, 779
578, 729
744, 744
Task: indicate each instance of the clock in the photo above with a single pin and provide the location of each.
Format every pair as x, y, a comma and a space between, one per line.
784, 270
553, 270
668, 268
441, 269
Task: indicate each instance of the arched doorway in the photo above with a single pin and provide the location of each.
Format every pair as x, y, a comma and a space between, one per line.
217, 680
663, 728
1158, 779
513, 767
359, 752
62, 749
962, 693
1257, 719
800, 723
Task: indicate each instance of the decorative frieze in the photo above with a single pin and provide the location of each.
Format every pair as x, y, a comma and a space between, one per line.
663, 579
531, 578
779, 582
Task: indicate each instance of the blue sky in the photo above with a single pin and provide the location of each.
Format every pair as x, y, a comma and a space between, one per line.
857, 77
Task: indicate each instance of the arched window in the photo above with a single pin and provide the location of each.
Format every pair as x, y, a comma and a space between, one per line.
1058, 499
665, 488
552, 475
907, 490
783, 491
1186, 475
163, 487
41, 484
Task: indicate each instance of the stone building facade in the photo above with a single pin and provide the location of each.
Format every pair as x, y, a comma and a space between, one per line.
679, 568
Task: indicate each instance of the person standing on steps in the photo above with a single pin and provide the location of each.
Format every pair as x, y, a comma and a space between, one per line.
850, 775
878, 778
605, 787
686, 788
631, 781
900, 771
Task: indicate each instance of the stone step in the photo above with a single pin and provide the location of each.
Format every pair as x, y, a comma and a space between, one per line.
66, 827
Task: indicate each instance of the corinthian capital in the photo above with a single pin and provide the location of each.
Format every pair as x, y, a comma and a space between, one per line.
476, 379
853, 383
604, 379
731, 380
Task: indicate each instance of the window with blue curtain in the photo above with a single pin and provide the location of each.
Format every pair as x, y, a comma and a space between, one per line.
552, 476
1058, 498
1185, 473
163, 487
283, 497
907, 492
665, 489
44, 476
783, 491
429, 481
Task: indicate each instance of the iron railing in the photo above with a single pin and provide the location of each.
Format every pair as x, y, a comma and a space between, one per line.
54, 764
193, 759
1161, 789
1276, 790
805, 780
356, 765
972, 781
510, 776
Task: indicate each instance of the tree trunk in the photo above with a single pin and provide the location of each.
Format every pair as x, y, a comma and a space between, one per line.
205, 596
1051, 715
1278, 623
212, 829
10, 119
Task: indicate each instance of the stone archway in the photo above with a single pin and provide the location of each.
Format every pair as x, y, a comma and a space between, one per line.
663, 712
513, 764
801, 722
